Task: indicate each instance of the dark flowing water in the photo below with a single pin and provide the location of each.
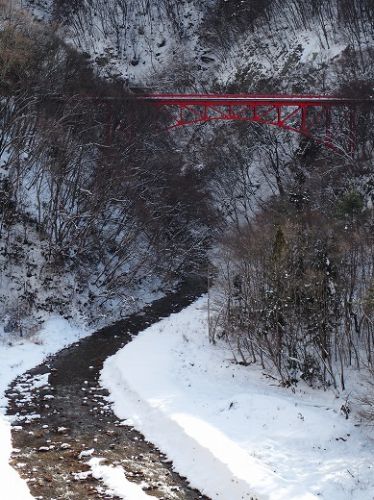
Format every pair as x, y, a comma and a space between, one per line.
49, 456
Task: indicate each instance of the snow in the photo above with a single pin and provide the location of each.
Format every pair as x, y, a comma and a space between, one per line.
15, 358
233, 432
86, 453
115, 480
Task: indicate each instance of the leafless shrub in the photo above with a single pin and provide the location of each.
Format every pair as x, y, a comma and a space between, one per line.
366, 401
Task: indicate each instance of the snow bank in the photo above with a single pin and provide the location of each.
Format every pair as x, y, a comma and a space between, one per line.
12, 485
227, 428
115, 480
15, 359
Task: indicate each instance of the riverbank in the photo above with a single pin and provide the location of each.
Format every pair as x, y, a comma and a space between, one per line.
233, 432
16, 357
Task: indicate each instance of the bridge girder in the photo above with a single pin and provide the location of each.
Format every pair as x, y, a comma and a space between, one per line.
310, 116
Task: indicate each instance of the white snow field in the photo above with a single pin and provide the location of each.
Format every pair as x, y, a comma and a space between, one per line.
234, 433
16, 358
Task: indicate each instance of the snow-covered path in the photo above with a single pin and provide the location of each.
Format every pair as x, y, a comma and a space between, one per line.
231, 431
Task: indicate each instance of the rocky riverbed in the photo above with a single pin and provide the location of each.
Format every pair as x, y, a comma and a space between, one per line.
61, 419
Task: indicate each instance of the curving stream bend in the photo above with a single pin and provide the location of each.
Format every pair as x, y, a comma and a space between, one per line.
54, 423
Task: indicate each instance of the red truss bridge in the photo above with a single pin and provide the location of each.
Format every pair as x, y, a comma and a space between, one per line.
328, 120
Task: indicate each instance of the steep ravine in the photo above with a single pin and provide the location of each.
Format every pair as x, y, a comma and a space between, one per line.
54, 423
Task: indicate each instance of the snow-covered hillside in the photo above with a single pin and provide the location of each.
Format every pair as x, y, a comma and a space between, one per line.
169, 45
73, 167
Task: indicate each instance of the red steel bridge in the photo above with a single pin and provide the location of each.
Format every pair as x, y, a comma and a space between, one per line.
329, 120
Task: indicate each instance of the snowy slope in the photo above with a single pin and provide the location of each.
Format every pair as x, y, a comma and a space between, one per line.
169, 45
228, 429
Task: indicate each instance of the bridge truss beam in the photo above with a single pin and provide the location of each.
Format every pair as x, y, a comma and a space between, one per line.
330, 121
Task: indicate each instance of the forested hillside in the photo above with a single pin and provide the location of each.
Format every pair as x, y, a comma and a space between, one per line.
254, 45
98, 202
95, 208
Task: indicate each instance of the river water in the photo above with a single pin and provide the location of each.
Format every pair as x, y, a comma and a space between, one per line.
55, 423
